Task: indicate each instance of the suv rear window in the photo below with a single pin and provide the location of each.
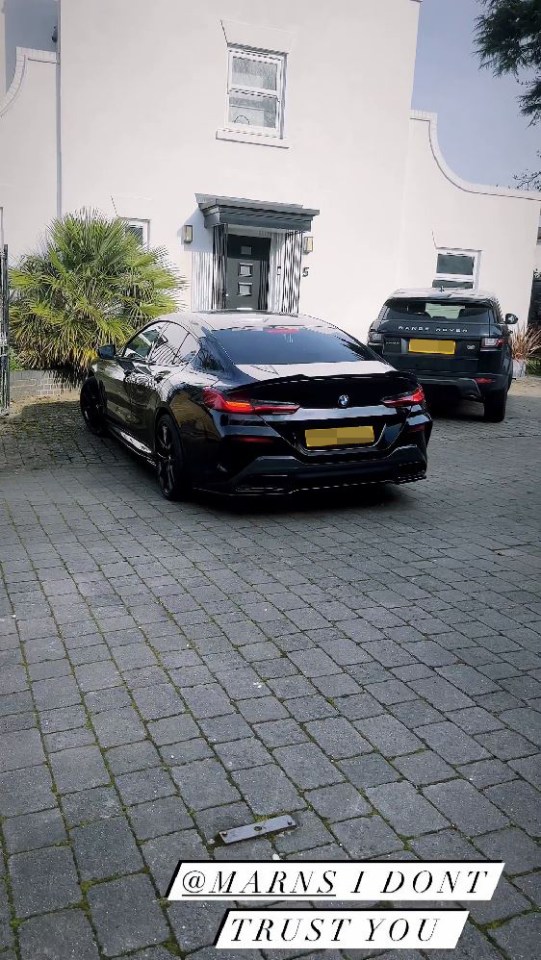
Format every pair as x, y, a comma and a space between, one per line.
426, 310
282, 345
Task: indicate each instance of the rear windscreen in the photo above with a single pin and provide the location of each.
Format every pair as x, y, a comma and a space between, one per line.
422, 310
283, 345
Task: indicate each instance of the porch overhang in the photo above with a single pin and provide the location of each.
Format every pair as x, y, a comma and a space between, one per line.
255, 213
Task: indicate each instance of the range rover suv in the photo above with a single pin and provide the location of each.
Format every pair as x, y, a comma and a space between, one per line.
457, 341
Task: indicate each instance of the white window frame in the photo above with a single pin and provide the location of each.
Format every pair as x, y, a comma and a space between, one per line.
459, 277
278, 59
143, 225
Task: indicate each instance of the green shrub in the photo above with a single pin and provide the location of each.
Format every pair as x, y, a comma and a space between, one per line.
14, 361
92, 283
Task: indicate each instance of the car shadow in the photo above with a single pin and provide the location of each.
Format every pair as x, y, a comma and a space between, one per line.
340, 499
49, 432
523, 401
449, 409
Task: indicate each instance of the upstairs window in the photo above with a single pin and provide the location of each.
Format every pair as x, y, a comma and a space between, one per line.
456, 268
255, 101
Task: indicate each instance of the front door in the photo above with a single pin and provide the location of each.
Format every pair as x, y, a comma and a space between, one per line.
247, 274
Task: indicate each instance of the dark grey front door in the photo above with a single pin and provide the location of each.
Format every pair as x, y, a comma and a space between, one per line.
247, 273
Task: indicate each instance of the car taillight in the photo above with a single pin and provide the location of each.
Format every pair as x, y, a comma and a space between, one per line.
407, 399
214, 400
374, 337
492, 343
243, 439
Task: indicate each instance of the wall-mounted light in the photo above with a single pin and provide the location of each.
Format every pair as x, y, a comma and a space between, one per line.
305, 271
308, 245
187, 233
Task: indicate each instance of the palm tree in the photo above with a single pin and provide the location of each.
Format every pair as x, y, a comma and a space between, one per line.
93, 282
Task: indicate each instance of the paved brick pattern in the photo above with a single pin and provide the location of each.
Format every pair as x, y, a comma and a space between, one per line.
372, 666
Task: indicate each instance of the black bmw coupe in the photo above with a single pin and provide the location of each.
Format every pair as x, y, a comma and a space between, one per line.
253, 403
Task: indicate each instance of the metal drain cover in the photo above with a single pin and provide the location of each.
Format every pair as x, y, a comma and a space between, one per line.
260, 829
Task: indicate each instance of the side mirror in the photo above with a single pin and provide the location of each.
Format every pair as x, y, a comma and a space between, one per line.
511, 318
107, 352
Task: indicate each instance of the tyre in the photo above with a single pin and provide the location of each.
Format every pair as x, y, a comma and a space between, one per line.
92, 408
170, 463
495, 405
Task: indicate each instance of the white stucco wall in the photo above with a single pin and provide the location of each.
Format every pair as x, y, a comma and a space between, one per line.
28, 151
441, 211
142, 101
143, 94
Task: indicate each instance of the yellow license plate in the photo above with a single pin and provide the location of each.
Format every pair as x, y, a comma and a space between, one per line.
340, 437
445, 348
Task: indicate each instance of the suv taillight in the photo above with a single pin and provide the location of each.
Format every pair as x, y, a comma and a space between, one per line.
492, 343
214, 400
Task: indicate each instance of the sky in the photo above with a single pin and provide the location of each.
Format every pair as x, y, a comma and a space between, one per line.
483, 136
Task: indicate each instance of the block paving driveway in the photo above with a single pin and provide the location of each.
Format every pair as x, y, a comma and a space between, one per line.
371, 665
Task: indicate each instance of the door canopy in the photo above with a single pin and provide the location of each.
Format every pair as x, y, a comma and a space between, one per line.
262, 215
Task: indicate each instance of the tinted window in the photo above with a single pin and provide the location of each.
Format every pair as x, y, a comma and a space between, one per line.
423, 310
282, 345
189, 349
169, 344
456, 263
206, 359
141, 344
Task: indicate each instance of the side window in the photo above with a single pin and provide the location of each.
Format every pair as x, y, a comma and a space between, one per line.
167, 346
207, 361
188, 350
456, 268
140, 229
139, 347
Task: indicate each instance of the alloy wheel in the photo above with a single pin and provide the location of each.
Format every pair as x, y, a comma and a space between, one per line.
166, 459
92, 412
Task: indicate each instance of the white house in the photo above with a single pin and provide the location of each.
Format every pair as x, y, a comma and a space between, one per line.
270, 147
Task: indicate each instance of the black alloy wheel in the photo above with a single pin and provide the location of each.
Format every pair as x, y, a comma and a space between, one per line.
92, 409
170, 465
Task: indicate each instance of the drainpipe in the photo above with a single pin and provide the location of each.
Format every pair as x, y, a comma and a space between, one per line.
56, 37
3, 65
